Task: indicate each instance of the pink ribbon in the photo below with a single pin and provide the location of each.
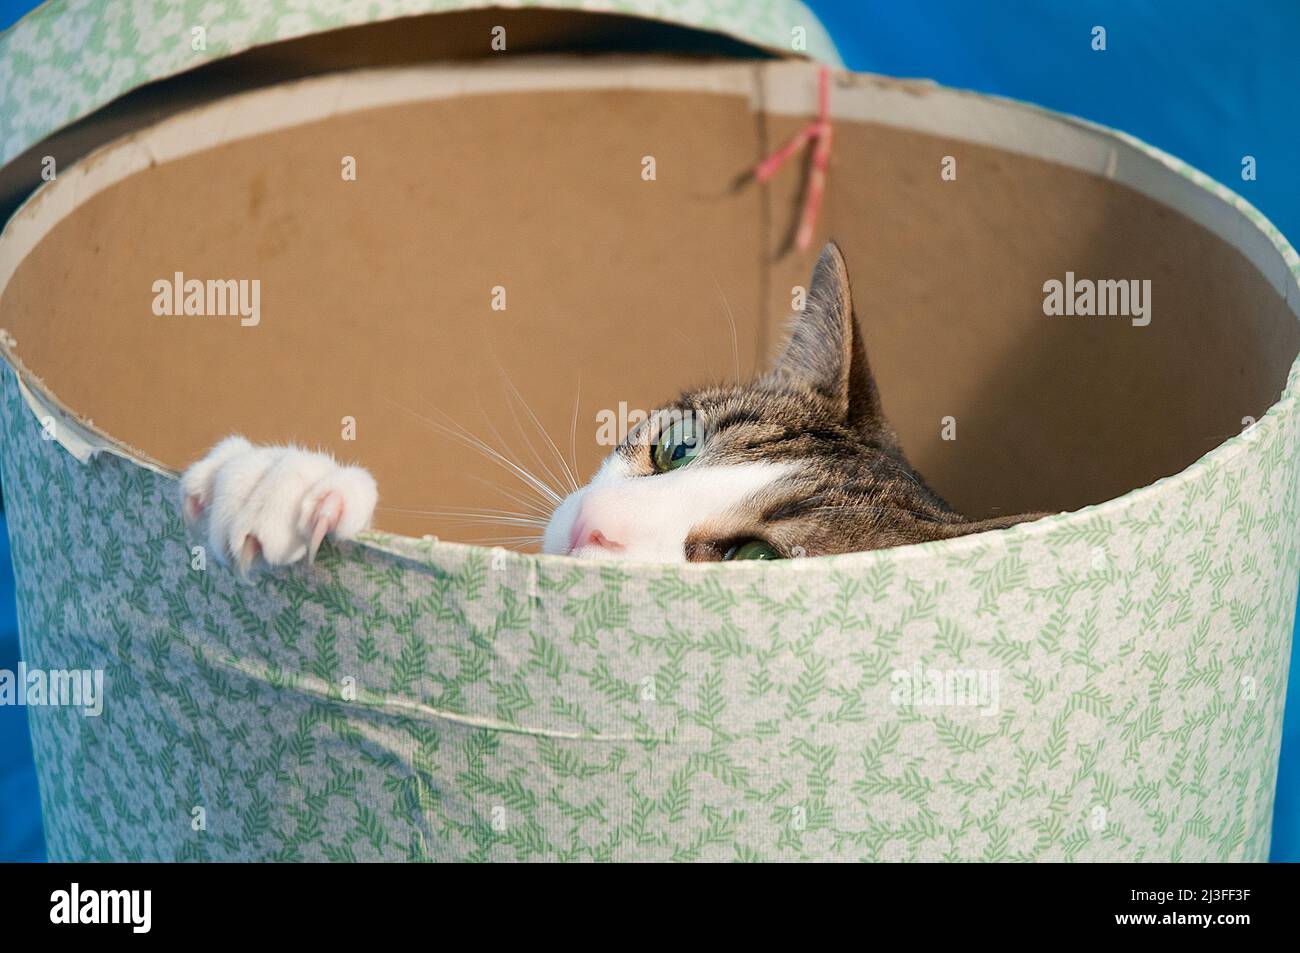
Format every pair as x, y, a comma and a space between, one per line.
819, 133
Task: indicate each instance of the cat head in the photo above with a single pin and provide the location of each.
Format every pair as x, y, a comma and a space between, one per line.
800, 462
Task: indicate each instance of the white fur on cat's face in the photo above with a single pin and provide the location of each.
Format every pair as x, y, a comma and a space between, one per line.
619, 515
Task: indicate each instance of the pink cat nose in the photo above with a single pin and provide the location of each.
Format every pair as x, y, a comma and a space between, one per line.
585, 534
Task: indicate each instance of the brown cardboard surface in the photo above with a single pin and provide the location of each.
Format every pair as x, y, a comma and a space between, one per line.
376, 294
376, 297
1052, 412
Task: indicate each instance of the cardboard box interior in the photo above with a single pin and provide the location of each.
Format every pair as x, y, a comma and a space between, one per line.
376, 298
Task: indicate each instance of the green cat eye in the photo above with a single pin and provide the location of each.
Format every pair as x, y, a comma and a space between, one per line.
752, 549
677, 445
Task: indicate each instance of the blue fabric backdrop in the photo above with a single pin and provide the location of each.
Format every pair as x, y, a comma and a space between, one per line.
1206, 80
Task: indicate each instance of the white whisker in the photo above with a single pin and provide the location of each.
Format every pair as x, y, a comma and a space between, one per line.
463, 436
507, 540
570, 478
731, 320
551, 476
467, 515
573, 429
500, 438
542, 509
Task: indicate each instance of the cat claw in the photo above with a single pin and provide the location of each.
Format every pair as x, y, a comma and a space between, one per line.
248, 552
324, 519
274, 506
193, 509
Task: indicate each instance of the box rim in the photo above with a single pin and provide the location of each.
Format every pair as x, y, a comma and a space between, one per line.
779, 88
80, 87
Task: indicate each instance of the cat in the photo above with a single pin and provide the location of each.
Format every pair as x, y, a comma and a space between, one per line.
800, 462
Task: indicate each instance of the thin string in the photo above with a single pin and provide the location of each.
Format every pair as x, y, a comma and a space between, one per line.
818, 132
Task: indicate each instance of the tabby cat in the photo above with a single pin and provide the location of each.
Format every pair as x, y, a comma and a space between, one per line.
799, 462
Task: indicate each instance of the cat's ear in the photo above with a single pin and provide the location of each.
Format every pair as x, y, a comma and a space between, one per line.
825, 352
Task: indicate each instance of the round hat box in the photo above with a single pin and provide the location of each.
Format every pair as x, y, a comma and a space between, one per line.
531, 244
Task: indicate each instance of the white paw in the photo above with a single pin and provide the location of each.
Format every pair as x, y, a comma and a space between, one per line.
274, 502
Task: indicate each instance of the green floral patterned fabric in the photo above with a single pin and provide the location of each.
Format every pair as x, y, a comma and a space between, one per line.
515, 707
69, 57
